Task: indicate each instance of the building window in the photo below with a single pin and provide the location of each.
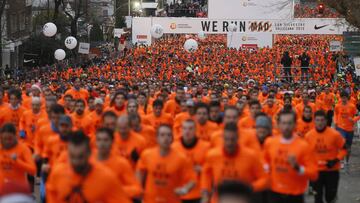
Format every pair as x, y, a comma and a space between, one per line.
105, 13
22, 21
13, 24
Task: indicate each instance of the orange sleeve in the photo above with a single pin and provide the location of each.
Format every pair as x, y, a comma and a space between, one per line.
206, 175
131, 185
340, 143
187, 173
309, 164
50, 187
26, 162
262, 180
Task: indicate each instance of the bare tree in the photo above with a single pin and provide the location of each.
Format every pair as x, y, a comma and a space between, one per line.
2, 9
56, 9
350, 9
80, 9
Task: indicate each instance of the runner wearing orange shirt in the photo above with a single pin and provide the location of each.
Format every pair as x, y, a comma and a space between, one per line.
13, 112
79, 116
165, 174
204, 127
118, 103
269, 107
249, 121
329, 102
289, 161
195, 149
93, 120
146, 131
159, 117
172, 106
81, 179
77, 92
305, 123
231, 162
15, 158
28, 121
328, 147
344, 120
128, 144
119, 165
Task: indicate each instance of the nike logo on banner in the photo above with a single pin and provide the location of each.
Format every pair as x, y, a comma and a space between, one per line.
319, 27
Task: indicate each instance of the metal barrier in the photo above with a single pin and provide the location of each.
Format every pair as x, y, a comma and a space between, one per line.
290, 74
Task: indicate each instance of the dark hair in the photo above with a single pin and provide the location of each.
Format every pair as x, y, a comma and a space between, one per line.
158, 102
78, 138
254, 102
15, 92
232, 127
57, 109
90, 98
116, 94
143, 94
80, 101
201, 105
286, 112
344, 94
214, 104
8, 128
234, 188
108, 131
261, 114
109, 114
320, 113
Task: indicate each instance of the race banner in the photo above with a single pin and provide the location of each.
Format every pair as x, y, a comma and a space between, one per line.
253, 40
251, 9
142, 26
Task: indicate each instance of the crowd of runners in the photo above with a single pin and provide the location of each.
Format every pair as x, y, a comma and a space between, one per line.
162, 125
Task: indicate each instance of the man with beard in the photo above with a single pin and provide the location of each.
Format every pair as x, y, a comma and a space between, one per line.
328, 147
81, 179
79, 116
305, 123
173, 105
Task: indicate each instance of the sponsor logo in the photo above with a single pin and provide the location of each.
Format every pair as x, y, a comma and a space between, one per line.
319, 27
173, 26
260, 26
141, 37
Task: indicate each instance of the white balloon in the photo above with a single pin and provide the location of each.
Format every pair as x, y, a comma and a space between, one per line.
70, 42
157, 31
232, 27
190, 45
60, 54
49, 29
201, 35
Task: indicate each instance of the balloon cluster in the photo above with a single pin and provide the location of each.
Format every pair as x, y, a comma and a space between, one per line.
50, 30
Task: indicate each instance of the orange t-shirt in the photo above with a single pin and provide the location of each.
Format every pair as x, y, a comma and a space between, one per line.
204, 131
325, 146
125, 148
9, 115
16, 170
243, 166
283, 178
164, 118
303, 127
344, 116
78, 94
164, 175
247, 123
28, 124
197, 155
122, 169
172, 107
99, 185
